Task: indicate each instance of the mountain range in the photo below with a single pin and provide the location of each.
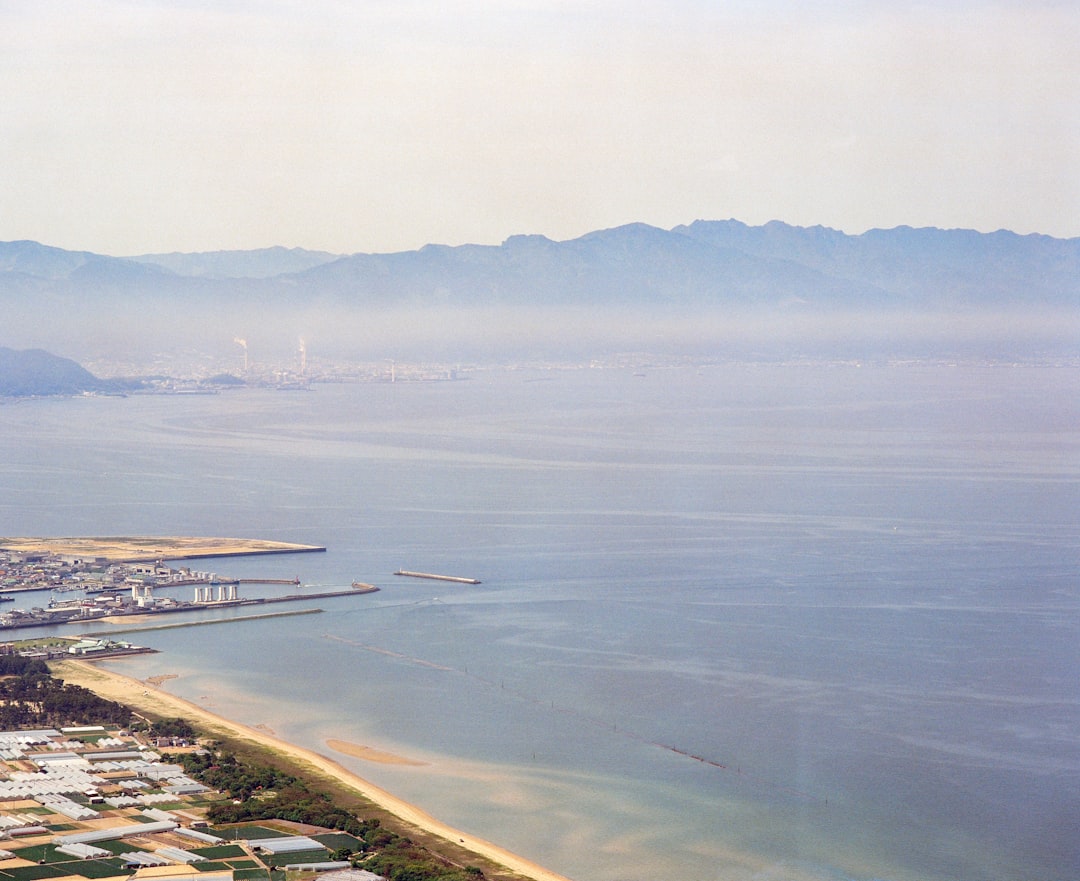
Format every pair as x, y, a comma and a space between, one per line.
706, 269
703, 263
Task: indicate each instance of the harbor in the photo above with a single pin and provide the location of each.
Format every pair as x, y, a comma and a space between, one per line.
112, 578
87, 610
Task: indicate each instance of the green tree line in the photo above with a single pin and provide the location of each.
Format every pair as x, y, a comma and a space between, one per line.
31, 698
258, 792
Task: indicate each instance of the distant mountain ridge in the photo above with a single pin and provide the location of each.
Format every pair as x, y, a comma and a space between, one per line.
701, 265
32, 260
260, 263
964, 265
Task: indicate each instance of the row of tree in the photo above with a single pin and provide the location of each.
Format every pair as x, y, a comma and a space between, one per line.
31, 698
258, 792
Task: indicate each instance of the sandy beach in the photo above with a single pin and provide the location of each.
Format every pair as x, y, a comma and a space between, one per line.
148, 696
147, 548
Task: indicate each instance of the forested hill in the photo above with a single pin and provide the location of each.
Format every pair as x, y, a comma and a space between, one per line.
35, 372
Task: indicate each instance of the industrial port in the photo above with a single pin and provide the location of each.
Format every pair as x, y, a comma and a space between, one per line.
111, 578
103, 587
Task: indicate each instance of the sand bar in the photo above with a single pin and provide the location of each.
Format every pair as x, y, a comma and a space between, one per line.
143, 548
370, 754
149, 697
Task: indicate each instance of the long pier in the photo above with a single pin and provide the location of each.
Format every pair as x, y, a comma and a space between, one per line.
149, 627
455, 578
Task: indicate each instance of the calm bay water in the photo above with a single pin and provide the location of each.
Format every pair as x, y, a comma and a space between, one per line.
735, 623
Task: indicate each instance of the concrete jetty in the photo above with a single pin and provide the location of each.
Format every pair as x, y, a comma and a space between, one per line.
455, 578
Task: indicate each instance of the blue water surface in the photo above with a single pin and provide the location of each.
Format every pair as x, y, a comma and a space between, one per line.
734, 622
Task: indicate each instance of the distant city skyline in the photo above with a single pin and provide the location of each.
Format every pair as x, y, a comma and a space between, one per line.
158, 126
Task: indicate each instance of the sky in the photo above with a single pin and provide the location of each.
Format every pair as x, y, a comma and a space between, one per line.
141, 126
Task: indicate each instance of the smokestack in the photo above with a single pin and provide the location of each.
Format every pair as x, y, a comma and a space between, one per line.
243, 345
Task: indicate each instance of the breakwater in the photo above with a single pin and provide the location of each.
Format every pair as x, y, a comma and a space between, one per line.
150, 627
433, 577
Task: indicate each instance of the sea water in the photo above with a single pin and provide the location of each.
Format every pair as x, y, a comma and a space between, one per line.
734, 622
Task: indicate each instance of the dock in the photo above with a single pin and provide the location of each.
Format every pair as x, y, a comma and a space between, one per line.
455, 578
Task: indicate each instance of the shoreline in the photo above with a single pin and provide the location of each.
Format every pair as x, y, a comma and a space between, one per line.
149, 696
143, 548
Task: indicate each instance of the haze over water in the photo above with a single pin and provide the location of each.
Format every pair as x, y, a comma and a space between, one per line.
737, 622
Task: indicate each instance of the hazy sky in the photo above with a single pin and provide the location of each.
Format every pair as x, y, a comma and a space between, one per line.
131, 126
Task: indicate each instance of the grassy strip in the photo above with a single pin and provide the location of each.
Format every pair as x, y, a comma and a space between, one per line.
334, 840
98, 868
246, 833
219, 852
253, 874
35, 873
